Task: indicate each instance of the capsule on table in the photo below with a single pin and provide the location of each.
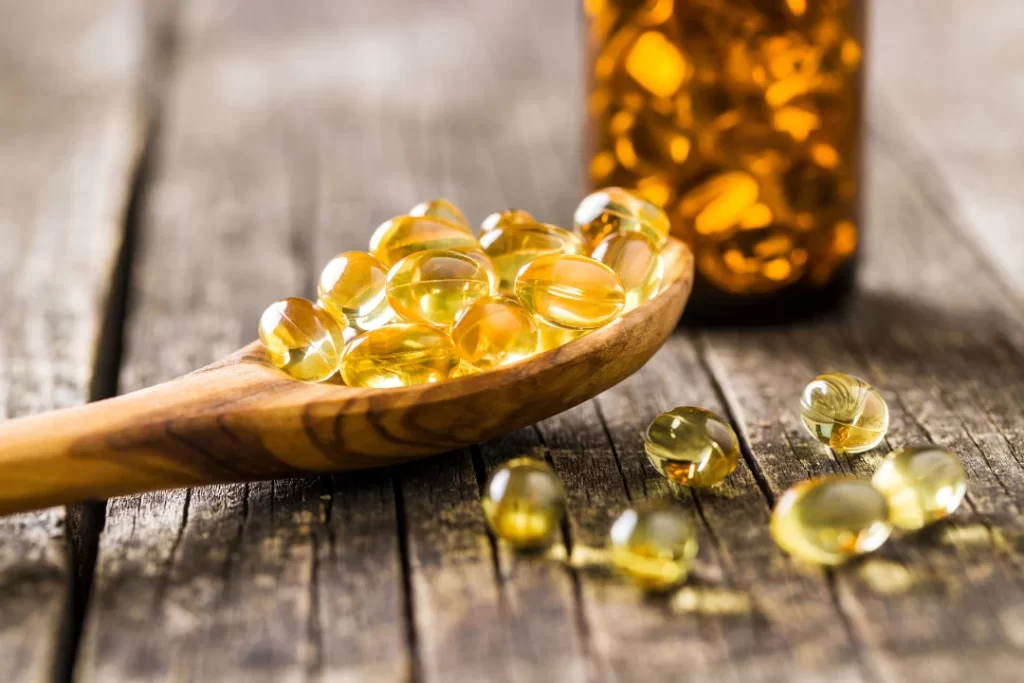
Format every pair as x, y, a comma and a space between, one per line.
635, 259
692, 447
570, 291
301, 339
653, 544
396, 238
398, 354
513, 246
351, 289
614, 209
494, 331
502, 219
830, 520
524, 502
443, 209
432, 286
844, 413
922, 484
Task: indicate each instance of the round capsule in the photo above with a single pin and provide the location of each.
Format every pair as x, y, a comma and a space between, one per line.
397, 355
844, 413
494, 331
301, 339
398, 237
923, 484
692, 447
571, 291
513, 246
432, 286
653, 544
503, 219
443, 209
351, 288
830, 520
614, 209
635, 259
524, 502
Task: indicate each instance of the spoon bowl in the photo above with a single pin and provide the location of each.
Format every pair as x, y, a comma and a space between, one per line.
242, 419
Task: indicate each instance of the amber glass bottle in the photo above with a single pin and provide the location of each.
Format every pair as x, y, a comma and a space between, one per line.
742, 119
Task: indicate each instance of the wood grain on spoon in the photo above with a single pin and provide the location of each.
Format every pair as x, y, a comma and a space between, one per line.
243, 419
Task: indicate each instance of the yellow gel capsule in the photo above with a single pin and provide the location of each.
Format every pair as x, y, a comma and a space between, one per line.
487, 264
830, 520
502, 219
397, 355
923, 484
524, 502
301, 339
432, 286
844, 413
653, 544
351, 288
614, 209
494, 331
692, 447
570, 291
464, 369
552, 337
635, 259
513, 246
398, 237
443, 209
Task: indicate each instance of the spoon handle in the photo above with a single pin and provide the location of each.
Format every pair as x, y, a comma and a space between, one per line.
203, 428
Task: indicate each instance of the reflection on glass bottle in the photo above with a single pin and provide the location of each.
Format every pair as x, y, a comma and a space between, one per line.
742, 119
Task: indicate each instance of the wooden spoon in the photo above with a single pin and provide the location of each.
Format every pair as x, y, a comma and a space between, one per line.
242, 419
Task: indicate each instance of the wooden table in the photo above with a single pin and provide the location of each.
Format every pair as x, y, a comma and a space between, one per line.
166, 170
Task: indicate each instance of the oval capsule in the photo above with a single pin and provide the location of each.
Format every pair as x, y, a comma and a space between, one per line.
692, 447
432, 286
844, 413
570, 291
830, 520
635, 259
494, 331
397, 355
513, 246
301, 339
502, 219
398, 237
653, 544
614, 209
524, 502
443, 209
923, 484
352, 289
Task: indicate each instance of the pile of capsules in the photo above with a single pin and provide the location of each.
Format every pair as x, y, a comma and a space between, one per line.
827, 520
432, 301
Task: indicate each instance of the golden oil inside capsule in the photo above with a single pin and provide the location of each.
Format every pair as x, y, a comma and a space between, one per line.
524, 502
923, 484
443, 209
432, 286
398, 354
830, 520
501, 219
487, 264
513, 246
301, 339
552, 336
398, 237
844, 413
571, 291
614, 209
494, 331
692, 447
351, 288
464, 369
635, 259
653, 544
758, 259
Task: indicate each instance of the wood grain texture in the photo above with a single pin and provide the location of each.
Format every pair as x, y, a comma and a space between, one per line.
69, 132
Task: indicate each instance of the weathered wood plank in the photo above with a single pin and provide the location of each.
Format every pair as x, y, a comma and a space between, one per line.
69, 141
274, 581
